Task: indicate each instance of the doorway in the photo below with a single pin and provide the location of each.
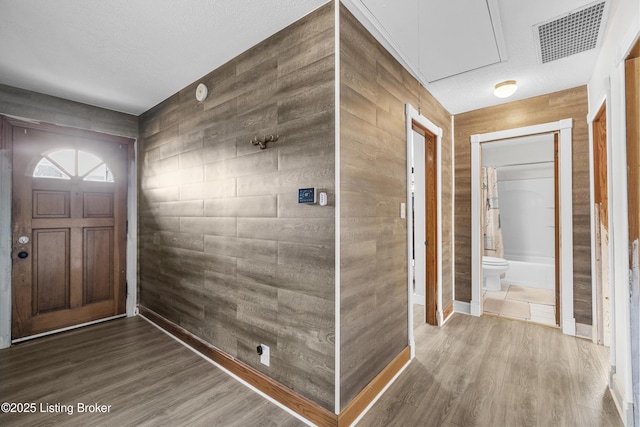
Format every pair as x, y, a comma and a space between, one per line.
425, 219
600, 229
519, 212
632, 101
565, 220
69, 218
424, 216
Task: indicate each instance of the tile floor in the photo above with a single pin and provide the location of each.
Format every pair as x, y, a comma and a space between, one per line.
520, 302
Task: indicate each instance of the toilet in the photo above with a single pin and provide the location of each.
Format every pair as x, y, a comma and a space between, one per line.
492, 269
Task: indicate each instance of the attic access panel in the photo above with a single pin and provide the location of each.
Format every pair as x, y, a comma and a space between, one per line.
442, 38
459, 36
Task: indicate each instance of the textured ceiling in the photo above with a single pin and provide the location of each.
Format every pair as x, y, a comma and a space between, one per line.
455, 33
129, 55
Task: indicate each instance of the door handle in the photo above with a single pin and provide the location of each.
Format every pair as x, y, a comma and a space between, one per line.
23, 254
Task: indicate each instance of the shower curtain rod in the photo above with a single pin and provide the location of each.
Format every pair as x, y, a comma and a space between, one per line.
521, 164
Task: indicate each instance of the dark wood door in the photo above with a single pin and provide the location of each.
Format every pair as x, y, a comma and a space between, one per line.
431, 223
69, 230
556, 222
431, 227
601, 219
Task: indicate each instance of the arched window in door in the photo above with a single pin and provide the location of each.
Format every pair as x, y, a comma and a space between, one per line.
70, 163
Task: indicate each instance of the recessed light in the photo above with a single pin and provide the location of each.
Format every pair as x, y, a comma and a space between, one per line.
505, 89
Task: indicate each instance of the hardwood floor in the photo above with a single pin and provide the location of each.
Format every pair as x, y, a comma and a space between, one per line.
491, 371
146, 377
485, 371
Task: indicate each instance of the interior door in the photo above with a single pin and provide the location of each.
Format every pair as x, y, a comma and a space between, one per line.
69, 229
431, 226
556, 223
601, 219
429, 213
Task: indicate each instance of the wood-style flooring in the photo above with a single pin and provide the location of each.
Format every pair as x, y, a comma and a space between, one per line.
485, 371
148, 379
491, 371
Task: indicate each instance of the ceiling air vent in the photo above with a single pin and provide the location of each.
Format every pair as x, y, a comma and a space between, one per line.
575, 32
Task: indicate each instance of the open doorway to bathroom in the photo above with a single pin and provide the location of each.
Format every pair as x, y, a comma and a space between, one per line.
519, 223
564, 215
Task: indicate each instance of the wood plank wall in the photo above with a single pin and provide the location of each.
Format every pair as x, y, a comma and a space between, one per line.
50, 109
571, 103
374, 88
225, 250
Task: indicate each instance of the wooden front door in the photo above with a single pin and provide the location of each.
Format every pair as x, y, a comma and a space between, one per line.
69, 229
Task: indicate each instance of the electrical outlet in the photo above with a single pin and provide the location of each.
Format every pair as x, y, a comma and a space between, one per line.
264, 356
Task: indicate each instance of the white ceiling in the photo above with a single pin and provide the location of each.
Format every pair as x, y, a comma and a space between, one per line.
523, 150
129, 55
450, 48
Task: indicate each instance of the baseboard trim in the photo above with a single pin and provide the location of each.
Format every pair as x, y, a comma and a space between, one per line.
584, 331
625, 408
474, 308
280, 393
462, 307
569, 327
448, 311
371, 392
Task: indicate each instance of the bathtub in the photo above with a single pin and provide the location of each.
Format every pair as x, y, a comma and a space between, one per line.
538, 273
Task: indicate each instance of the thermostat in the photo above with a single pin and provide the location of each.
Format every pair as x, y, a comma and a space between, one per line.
306, 195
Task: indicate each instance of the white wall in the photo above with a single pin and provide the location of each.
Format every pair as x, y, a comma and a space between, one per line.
621, 30
419, 231
527, 218
526, 195
607, 82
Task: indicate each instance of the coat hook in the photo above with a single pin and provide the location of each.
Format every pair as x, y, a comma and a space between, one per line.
263, 142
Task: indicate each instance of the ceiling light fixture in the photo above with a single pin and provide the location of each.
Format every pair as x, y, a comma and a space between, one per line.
505, 89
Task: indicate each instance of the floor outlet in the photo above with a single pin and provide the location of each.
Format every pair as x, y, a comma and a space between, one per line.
264, 357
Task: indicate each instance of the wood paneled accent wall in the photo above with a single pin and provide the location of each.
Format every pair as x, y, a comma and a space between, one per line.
50, 109
571, 103
374, 88
225, 250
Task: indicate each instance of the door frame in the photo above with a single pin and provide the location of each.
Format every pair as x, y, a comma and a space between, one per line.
632, 130
425, 178
564, 127
413, 116
6, 235
598, 306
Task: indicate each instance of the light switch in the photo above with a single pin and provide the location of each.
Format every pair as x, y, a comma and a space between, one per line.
403, 210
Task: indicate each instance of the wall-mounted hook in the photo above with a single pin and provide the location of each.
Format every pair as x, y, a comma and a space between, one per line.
262, 142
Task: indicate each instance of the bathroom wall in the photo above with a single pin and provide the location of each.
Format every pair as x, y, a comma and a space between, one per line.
373, 269
525, 171
570, 103
527, 217
225, 250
